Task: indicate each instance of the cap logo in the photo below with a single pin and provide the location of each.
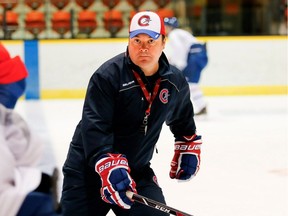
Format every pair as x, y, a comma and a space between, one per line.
144, 20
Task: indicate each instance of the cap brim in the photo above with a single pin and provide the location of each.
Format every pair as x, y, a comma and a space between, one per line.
152, 34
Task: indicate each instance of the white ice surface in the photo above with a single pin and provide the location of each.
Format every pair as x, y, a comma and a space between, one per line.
244, 166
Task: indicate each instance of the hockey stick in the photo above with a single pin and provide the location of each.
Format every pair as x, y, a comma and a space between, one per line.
154, 204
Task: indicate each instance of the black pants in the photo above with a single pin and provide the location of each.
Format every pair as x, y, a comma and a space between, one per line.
85, 199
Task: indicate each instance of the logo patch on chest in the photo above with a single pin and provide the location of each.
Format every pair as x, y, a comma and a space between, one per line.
163, 95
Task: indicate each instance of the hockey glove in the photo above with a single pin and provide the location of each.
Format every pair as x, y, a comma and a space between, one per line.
116, 180
186, 161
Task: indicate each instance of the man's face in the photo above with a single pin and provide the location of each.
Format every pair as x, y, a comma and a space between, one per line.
144, 51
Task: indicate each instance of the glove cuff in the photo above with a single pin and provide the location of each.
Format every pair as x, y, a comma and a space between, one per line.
109, 161
194, 146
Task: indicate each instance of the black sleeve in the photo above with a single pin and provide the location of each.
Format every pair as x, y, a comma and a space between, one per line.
181, 116
97, 118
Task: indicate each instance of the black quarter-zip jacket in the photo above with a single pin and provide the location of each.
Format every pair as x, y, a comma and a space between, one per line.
114, 109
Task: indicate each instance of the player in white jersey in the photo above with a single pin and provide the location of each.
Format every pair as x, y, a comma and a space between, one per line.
190, 56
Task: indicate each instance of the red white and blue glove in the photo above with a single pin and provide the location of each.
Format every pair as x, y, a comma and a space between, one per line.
116, 180
186, 161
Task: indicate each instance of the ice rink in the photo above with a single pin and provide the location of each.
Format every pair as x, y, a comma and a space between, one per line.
244, 166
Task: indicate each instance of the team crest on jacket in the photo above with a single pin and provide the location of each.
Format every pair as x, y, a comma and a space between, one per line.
163, 95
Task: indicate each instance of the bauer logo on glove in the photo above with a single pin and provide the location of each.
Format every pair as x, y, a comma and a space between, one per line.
112, 163
184, 147
186, 161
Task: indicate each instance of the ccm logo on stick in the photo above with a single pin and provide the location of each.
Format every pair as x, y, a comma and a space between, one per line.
162, 209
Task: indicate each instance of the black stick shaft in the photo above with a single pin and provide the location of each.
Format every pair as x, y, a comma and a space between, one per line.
154, 204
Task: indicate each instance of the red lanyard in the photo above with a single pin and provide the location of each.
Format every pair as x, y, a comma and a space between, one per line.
148, 97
